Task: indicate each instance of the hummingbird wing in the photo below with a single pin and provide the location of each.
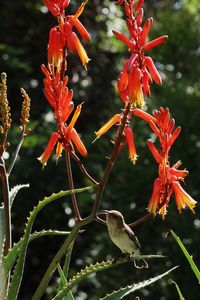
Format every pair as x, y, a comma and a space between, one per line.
132, 236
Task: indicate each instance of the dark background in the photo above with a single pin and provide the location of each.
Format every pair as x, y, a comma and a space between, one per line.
24, 30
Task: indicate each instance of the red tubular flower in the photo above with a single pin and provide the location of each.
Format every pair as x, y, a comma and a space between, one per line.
55, 47
56, 7
155, 43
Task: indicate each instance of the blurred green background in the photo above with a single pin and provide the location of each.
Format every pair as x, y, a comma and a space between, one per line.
24, 30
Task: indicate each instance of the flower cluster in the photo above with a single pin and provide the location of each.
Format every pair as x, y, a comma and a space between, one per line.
139, 70
62, 39
169, 177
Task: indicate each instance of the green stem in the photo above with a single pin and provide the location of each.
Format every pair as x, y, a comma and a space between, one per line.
102, 183
6, 201
187, 255
15, 155
71, 186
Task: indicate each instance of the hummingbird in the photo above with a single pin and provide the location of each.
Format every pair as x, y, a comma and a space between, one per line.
123, 236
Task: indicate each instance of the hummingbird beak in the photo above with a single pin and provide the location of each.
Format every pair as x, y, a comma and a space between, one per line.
103, 212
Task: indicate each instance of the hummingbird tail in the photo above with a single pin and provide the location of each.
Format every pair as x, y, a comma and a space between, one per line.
140, 264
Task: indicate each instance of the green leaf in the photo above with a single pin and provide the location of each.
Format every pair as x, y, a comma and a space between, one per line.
97, 267
64, 273
64, 281
187, 255
13, 192
125, 291
19, 267
9, 260
179, 291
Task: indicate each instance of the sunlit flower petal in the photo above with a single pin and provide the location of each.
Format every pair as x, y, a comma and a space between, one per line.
182, 198
152, 69
115, 119
154, 203
78, 143
131, 144
155, 42
49, 149
81, 51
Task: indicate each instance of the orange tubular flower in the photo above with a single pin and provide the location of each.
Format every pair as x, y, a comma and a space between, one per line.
169, 178
131, 144
72, 41
60, 98
182, 198
49, 149
139, 71
62, 36
114, 120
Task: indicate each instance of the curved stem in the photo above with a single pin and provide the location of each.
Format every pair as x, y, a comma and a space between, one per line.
111, 161
142, 220
17, 151
82, 168
6, 201
71, 186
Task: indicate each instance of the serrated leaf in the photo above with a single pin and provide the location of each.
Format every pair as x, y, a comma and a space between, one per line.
179, 291
125, 291
13, 192
97, 267
9, 260
187, 255
19, 267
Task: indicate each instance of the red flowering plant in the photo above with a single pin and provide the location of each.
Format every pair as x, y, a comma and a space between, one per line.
138, 73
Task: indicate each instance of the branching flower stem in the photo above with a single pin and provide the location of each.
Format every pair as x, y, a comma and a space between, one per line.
82, 222
102, 183
82, 168
15, 154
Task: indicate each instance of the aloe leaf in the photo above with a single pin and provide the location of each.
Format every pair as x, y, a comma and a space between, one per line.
64, 273
9, 260
125, 291
13, 192
66, 265
19, 267
97, 267
187, 255
64, 281
179, 291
